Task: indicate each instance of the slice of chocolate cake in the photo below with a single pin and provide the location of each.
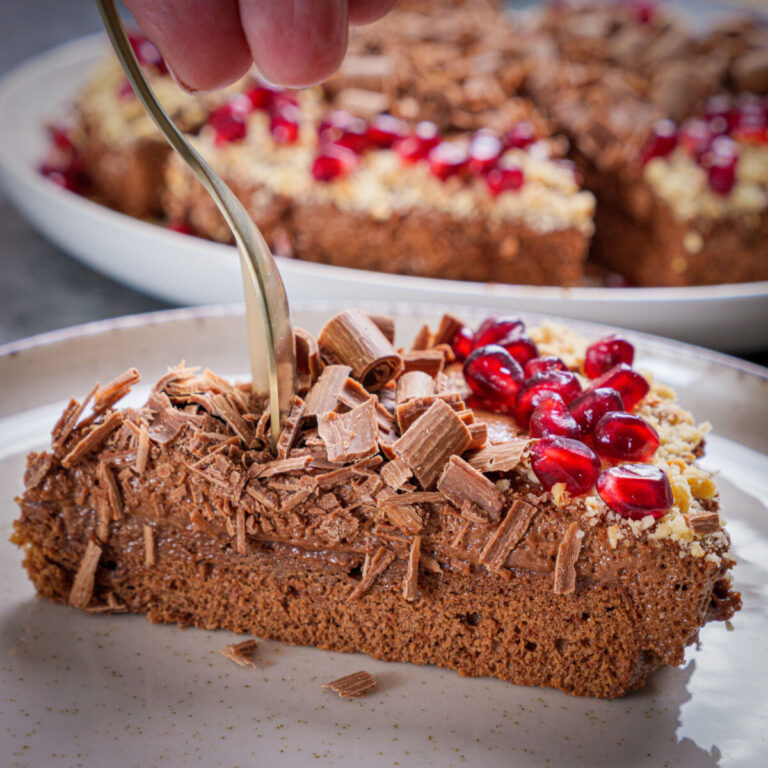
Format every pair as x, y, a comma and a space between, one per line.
535, 515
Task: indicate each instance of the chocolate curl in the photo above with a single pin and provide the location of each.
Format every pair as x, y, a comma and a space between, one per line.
353, 339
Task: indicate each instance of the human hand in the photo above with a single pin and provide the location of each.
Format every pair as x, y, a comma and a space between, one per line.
211, 43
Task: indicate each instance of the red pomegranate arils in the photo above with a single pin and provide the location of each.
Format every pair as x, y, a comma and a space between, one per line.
636, 490
147, 53
662, 142
462, 343
418, 145
522, 347
484, 152
564, 383
628, 383
494, 376
544, 363
447, 159
284, 124
551, 418
561, 460
589, 407
228, 123
521, 135
602, 355
493, 329
262, 96
385, 130
333, 163
624, 437
505, 179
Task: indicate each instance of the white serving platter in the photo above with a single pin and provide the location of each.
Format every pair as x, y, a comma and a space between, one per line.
188, 270
94, 690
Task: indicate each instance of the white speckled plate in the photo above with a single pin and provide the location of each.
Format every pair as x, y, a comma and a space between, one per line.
151, 259
96, 690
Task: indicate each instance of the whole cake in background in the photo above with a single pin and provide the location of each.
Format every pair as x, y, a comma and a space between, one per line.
465, 144
504, 502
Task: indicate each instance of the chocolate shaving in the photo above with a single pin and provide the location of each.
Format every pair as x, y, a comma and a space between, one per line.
414, 384
226, 407
353, 394
448, 328
142, 449
167, 421
108, 486
403, 516
340, 476
411, 575
416, 497
702, 523
307, 355
385, 324
93, 440
430, 361
337, 526
407, 412
567, 555
430, 563
240, 547
66, 423
507, 536
149, 546
82, 586
498, 458
350, 436
396, 472
478, 432
461, 484
295, 499
115, 390
241, 653
324, 395
290, 428
353, 339
379, 563
458, 539
422, 340
435, 436
353, 686
279, 467
38, 465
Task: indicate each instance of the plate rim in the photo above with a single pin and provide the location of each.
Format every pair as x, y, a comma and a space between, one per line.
88, 48
185, 314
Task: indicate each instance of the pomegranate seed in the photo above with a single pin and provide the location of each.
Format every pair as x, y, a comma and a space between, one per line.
493, 329
561, 460
263, 96
344, 129
522, 347
719, 111
385, 130
484, 152
228, 122
333, 162
643, 10
628, 383
125, 91
590, 407
721, 175
503, 179
602, 355
447, 159
695, 138
462, 343
61, 139
752, 130
564, 383
418, 145
68, 176
284, 124
180, 226
624, 437
147, 53
662, 142
551, 417
544, 363
494, 376
635, 490
521, 135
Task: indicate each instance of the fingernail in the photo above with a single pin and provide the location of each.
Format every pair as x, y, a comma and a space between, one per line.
176, 79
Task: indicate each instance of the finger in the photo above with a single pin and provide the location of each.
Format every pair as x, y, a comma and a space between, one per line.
366, 11
296, 43
202, 40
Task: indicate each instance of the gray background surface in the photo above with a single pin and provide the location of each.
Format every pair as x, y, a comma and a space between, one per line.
41, 289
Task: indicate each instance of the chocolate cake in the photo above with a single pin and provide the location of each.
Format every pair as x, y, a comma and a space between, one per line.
535, 514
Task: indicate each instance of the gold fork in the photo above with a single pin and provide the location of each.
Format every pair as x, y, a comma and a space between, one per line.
270, 333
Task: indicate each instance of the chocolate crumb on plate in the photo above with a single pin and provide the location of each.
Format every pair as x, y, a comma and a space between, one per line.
241, 653
354, 685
